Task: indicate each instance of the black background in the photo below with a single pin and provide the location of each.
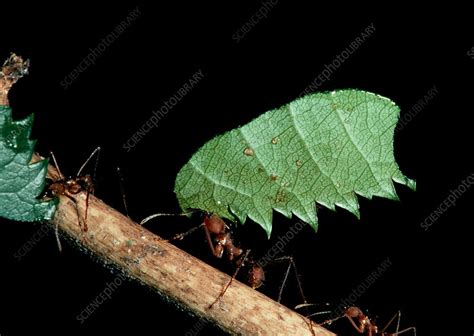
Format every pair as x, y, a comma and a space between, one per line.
409, 53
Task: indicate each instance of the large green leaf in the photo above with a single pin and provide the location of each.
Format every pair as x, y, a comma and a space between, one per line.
20, 181
325, 148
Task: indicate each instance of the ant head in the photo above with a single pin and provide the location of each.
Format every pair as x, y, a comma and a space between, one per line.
73, 186
198, 214
214, 224
354, 312
85, 182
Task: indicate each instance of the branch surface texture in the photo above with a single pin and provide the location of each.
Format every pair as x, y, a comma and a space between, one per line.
179, 277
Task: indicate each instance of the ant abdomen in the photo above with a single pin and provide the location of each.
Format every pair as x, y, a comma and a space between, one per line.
256, 276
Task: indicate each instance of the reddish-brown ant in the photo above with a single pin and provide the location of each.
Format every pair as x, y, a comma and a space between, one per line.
217, 232
215, 226
71, 186
256, 275
364, 325
219, 238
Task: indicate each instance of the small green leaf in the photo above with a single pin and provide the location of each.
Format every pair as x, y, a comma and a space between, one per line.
21, 182
325, 148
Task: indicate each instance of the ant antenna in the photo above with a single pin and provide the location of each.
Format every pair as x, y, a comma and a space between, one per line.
97, 150
61, 176
397, 332
122, 190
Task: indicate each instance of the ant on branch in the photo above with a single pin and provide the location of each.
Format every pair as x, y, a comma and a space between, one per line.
362, 323
217, 232
219, 238
61, 186
256, 275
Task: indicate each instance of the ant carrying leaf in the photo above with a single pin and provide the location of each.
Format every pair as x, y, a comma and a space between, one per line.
219, 238
217, 232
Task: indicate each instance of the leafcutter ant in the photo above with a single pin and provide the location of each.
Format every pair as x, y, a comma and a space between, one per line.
256, 275
217, 233
71, 186
362, 323
219, 238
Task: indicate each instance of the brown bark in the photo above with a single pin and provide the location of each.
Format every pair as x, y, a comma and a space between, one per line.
180, 277
174, 274
12, 70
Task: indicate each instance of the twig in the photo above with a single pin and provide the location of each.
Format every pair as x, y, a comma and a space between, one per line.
12, 70
178, 276
174, 274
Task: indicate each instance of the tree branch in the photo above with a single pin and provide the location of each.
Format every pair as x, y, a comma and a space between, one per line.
179, 277
12, 70
174, 274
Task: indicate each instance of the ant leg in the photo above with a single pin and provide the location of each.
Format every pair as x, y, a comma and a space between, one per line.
306, 305
182, 235
97, 150
122, 191
360, 328
147, 219
240, 263
330, 321
285, 278
77, 212
61, 176
90, 188
87, 210
56, 233
291, 264
405, 330
398, 314
397, 332
209, 241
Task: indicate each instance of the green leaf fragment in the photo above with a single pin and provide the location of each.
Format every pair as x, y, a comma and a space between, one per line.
21, 182
324, 148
